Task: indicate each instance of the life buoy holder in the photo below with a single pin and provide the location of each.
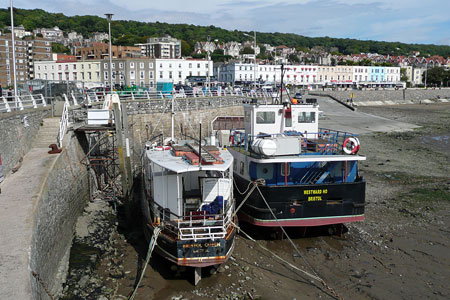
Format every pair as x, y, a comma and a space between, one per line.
351, 145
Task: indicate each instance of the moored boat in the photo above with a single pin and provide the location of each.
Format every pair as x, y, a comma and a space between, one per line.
189, 195
307, 176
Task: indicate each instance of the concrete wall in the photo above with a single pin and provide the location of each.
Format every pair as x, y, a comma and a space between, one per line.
17, 133
60, 202
391, 95
144, 124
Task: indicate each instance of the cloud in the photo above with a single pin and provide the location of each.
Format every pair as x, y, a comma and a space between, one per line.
412, 21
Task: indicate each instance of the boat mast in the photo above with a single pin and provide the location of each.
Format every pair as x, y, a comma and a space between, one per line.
172, 118
200, 147
281, 99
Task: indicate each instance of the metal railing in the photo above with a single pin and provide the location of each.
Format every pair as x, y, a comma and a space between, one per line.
24, 101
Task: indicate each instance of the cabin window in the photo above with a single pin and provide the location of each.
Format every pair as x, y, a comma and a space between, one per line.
306, 117
235, 165
285, 169
265, 117
242, 168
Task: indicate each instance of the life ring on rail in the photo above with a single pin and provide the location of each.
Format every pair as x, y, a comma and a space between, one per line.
162, 148
351, 145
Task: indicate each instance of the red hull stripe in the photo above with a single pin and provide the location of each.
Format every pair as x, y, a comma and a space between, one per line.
301, 222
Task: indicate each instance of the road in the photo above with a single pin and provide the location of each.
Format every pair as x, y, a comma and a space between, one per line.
338, 117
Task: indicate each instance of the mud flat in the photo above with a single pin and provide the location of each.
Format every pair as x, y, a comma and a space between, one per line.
399, 252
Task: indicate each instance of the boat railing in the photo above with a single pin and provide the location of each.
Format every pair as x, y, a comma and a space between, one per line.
324, 142
200, 226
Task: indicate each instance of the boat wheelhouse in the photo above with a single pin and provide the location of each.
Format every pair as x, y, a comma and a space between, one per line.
189, 194
307, 175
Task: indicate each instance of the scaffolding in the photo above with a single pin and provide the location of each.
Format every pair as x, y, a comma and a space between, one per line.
102, 159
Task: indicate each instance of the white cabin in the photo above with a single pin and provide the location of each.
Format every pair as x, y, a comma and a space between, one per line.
269, 118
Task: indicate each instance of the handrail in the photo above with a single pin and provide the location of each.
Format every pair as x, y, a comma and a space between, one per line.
64, 122
24, 101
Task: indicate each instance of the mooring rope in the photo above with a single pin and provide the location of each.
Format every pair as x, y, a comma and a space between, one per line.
314, 276
151, 246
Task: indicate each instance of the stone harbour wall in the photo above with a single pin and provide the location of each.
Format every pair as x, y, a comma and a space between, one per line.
143, 125
17, 132
60, 202
414, 95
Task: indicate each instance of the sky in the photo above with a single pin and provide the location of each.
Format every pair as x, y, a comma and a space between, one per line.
408, 21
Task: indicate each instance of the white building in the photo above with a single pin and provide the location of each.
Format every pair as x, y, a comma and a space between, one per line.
60, 70
238, 73
99, 37
19, 31
54, 34
178, 70
418, 76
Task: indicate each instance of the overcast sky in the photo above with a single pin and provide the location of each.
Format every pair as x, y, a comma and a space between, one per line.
410, 21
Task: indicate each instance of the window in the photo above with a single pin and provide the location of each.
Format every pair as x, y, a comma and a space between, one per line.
132, 75
170, 74
141, 75
265, 117
198, 65
307, 117
105, 65
141, 65
106, 75
160, 74
150, 65
179, 74
150, 74
120, 65
285, 169
190, 65
132, 65
170, 66
242, 168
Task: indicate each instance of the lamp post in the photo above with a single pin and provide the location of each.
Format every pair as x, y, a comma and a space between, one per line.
14, 54
109, 17
254, 51
208, 83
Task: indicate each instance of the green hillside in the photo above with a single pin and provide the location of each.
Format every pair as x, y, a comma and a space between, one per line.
131, 32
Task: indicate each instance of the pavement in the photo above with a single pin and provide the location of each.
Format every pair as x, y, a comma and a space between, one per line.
338, 117
18, 203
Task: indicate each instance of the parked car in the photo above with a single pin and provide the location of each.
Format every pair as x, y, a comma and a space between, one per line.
298, 97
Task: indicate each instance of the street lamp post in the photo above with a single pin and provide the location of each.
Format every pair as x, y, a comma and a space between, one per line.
208, 83
14, 54
109, 17
254, 65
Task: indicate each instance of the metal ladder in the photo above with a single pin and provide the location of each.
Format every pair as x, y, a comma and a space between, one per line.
205, 154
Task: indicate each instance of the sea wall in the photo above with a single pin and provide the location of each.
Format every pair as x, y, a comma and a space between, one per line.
145, 125
414, 95
17, 132
61, 200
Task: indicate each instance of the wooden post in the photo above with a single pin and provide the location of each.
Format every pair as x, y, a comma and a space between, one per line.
120, 144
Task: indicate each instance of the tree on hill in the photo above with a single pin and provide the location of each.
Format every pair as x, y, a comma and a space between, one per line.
247, 50
139, 31
60, 48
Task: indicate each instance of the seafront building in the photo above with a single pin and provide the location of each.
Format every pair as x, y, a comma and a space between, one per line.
308, 75
67, 68
128, 71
